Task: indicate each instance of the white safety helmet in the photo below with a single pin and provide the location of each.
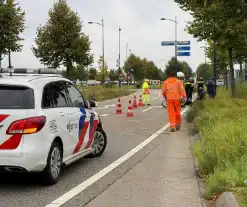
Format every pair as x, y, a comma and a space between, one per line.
180, 74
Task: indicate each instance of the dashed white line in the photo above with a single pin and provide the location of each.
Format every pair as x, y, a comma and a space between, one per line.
106, 106
151, 108
105, 115
84, 185
157, 96
147, 109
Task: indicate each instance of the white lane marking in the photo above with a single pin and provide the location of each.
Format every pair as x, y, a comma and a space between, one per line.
85, 184
147, 109
106, 106
110, 105
157, 96
151, 108
105, 115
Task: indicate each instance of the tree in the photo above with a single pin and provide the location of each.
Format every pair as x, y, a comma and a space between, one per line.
205, 71
178, 66
113, 75
61, 40
80, 72
142, 68
220, 20
92, 74
12, 24
103, 73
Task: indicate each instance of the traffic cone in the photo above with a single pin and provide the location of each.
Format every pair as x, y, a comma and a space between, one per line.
134, 103
140, 104
130, 112
119, 107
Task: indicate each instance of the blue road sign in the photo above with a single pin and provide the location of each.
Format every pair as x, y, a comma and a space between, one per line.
183, 48
183, 43
167, 43
183, 53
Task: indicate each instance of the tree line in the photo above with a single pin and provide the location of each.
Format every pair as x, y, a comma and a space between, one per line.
62, 42
224, 23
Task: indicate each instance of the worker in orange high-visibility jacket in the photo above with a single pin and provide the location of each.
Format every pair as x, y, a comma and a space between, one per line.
172, 91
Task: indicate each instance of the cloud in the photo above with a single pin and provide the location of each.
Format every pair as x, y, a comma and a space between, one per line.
139, 20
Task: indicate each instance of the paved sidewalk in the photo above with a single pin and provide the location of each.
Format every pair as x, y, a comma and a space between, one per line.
165, 178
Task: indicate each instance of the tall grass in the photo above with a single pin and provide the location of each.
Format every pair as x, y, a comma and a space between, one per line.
222, 152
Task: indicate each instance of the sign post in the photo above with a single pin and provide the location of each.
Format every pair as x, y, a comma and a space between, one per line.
183, 47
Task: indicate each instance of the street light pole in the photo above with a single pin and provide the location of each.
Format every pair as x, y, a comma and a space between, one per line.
119, 49
176, 42
127, 51
103, 40
119, 55
103, 48
176, 39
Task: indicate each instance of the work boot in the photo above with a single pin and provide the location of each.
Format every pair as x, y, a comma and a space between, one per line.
178, 128
172, 130
148, 104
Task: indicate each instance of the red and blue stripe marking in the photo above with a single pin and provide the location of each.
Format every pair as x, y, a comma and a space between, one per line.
83, 127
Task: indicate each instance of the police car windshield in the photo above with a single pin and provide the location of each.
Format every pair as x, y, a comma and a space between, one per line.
16, 97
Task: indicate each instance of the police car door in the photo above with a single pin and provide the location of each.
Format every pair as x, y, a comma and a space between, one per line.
79, 124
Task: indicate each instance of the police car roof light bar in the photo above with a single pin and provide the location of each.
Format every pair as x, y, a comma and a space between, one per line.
31, 71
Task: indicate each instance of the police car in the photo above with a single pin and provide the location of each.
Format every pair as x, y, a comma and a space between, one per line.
45, 123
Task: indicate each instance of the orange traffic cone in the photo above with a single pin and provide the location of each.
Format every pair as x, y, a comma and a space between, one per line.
140, 103
134, 103
130, 112
119, 107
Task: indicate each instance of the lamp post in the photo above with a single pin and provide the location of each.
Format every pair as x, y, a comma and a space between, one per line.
119, 55
103, 40
175, 22
204, 47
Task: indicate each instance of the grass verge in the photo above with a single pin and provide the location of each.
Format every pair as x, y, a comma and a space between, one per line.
221, 154
101, 94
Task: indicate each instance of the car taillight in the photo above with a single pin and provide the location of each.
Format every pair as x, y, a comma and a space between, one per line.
27, 126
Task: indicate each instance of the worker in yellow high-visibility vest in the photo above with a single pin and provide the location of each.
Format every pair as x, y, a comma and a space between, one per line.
146, 92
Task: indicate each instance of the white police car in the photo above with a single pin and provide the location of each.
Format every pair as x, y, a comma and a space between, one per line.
45, 123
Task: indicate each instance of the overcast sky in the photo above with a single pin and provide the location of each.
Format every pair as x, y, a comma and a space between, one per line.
138, 19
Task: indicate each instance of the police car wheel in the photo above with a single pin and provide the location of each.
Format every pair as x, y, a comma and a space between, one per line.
99, 143
53, 168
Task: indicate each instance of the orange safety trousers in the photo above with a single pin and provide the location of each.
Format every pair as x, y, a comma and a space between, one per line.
174, 113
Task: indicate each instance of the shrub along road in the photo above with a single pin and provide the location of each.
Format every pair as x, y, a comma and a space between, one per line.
221, 153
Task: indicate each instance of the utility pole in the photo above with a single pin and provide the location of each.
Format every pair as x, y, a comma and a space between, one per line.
103, 42
103, 50
119, 55
127, 51
10, 66
176, 39
126, 62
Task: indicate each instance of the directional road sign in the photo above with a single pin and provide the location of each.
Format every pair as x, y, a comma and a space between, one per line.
183, 43
167, 43
183, 53
183, 48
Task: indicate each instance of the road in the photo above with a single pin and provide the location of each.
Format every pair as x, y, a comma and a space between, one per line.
124, 134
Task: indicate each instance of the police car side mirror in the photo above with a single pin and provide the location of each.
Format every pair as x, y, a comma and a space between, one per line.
92, 103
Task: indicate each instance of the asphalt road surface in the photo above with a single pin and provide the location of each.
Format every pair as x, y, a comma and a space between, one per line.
124, 134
